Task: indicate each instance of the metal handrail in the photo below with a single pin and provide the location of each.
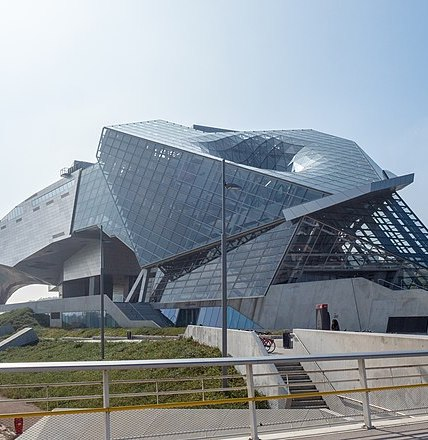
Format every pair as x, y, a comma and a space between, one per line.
26, 367
386, 283
107, 366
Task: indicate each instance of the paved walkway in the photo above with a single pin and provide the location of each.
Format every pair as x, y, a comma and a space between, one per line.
232, 424
407, 432
404, 429
9, 406
408, 429
186, 424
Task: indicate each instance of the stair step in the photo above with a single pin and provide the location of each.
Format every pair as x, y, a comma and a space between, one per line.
290, 369
299, 382
308, 404
301, 388
289, 364
296, 378
309, 399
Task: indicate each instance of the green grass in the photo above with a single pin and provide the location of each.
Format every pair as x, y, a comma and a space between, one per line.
80, 351
52, 348
21, 318
89, 332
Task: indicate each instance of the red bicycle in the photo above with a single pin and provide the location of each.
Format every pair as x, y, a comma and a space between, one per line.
268, 343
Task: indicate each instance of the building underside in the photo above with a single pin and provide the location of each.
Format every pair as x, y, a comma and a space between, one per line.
309, 208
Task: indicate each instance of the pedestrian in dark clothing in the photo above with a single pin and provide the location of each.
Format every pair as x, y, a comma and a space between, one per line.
335, 325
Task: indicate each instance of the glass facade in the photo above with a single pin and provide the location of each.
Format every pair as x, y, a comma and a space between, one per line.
384, 221
86, 320
326, 161
250, 269
305, 157
96, 205
377, 249
170, 199
211, 317
157, 187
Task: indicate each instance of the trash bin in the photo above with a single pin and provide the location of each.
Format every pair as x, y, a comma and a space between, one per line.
128, 335
287, 341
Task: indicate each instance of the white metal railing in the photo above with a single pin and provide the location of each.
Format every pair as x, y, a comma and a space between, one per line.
355, 364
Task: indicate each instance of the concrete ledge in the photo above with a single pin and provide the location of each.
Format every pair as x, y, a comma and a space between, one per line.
26, 336
243, 343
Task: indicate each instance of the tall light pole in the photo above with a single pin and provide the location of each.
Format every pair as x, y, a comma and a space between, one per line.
102, 335
224, 187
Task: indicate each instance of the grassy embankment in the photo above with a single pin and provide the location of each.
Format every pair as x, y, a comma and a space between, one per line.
91, 332
57, 350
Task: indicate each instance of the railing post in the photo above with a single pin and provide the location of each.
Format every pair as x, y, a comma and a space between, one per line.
203, 389
251, 404
157, 393
365, 397
106, 404
47, 397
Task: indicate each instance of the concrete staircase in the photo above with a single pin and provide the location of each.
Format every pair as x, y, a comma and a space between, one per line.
298, 382
143, 312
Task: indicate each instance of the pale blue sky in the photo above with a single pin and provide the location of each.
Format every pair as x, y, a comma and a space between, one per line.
357, 69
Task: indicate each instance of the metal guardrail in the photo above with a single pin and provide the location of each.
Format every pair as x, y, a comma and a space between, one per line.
355, 365
401, 286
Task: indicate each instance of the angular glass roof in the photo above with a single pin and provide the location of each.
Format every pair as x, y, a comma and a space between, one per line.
169, 199
306, 157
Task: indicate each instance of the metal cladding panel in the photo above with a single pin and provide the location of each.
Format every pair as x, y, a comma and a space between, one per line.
346, 196
170, 199
11, 280
37, 222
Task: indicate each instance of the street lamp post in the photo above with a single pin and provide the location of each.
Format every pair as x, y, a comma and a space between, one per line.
223, 272
94, 233
225, 186
102, 332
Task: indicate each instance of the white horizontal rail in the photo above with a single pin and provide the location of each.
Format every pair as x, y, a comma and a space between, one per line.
22, 367
249, 362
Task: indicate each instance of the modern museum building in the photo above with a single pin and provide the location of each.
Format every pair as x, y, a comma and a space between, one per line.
310, 218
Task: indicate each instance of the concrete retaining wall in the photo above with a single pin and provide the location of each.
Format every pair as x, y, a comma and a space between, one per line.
80, 304
359, 304
243, 344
